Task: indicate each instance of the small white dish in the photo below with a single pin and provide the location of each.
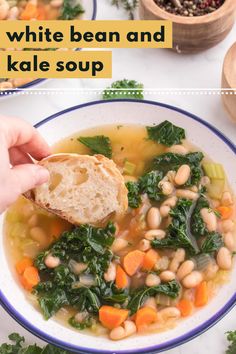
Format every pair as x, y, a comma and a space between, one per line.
69, 121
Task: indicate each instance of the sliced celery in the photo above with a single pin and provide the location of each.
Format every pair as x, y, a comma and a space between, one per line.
129, 168
214, 170
216, 188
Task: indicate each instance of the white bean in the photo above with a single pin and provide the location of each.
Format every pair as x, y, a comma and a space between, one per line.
178, 258
192, 280
224, 258
227, 225
153, 218
33, 220
56, 3
5, 85
226, 199
39, 235
178, 149
13, 13
185, 193
164, 211
186, 268
155, 234
51, 261
169, 312
151, 302
152, 280
167, 276
171, 176
210, 271
81, 316
4, 8
171, 202
77, 267
182, 175
167, 188
229, 241
119, 244
209, 219
162, 263
110, 274
123, 332
144, 245
205, 180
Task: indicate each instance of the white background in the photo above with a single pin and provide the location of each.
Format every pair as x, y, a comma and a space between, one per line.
156, 69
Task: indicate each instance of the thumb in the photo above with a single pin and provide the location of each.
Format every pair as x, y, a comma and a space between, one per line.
29, 176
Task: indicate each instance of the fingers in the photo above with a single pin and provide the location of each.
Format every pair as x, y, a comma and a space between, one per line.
27, 177
17, 133
17, 157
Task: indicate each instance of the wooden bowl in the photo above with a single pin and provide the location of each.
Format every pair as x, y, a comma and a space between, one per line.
193, 34
229, 82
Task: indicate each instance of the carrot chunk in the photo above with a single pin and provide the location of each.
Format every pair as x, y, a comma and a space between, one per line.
145, 316
30, 278
122, 279
111, 317
58, 227
150, 259
23, 264
224, 211
29, 12
201, 294
186, 307
133, 261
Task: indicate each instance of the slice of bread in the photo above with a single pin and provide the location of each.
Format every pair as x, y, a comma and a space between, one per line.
82, 189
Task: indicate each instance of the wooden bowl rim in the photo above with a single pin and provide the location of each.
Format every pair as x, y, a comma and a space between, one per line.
227, 7
228, 69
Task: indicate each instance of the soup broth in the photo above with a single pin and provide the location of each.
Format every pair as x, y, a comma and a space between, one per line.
181, 279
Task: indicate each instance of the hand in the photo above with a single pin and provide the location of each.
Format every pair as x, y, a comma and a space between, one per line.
18, 174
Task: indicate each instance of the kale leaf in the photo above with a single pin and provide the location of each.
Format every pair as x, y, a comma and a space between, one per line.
124, 89
171, 162
212, 243
98, 144
149, 184
58, 288
178, 232
71, 10
18, 347
134, 197
87, 323
198, 226
166, 133
139, 296
231, 337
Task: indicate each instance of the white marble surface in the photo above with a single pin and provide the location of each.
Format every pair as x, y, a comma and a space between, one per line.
156, 69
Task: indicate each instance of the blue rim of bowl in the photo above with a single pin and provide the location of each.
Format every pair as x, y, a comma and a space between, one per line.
36, 82
148, 350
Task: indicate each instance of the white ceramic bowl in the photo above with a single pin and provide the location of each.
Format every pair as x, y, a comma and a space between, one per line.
93, 114
90, 13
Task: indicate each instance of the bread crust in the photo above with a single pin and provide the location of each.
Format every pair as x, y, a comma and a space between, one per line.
80, 204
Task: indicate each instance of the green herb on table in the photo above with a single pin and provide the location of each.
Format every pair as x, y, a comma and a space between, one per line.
128, 5
71, 10
124, 89
166, 133
99, 144
231, 337
18, 346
